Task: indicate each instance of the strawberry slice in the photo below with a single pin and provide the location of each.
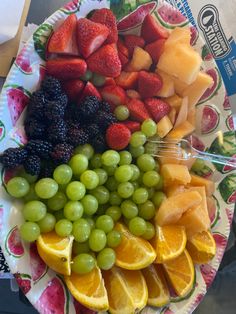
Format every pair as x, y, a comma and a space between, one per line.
90, 90
157, 108
123, 52
90, 36
132, 41
123, 59
63, 40
127, 80
152, 31
109, 81
133, 126
137, 110
105, 61
114, 95
149, 84
156, 49
73, 88
107, 18
66, 68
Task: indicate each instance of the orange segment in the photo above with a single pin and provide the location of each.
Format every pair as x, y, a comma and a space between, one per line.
133, 252
89, 289
169, 242
158, 293
55, 251
180, 272
126, 289
202, 247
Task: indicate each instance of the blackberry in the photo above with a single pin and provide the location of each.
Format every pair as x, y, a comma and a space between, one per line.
77, 136
51, 86
32, 165
104, 106
54, 111
93, 130
13, 157
104, 119
99, 143
61, 99
34, 129
88, 107
36, 105
57, 131
62, 153
72, 124
40, 148
47, 169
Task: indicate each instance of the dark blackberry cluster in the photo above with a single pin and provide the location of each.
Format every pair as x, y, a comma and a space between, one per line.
13, 157
41, 148
51, 86
89, 107
32, 165
77, 136
57, 132
62, 153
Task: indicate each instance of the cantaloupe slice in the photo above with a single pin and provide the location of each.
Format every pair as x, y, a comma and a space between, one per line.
168, 88
175, 101
179, 35
175, 174
141, 60
171, 190
167, 159
199, 181
172, 209
179, 86
183, 113
192, 116
181, 131
172, 115
164, 126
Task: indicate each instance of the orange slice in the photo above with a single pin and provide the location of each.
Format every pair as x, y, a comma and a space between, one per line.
180, 272
127, 290
89, 289
158, 293
133, 253
55, 251
202, 247
169, 242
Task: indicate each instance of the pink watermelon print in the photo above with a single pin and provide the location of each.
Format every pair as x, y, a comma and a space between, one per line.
2, 131
208, 274
226, 104
80, 309
210, 119
7, 174
206, 55
194, 35
37, 266
17, 100
211, 92
221, 243
19, 136
197, 143
167, 310
71, 7
23, 61
169, 17
24, 282
54, 299
13, 243
230, 215
1, 217
197, 300
230, 123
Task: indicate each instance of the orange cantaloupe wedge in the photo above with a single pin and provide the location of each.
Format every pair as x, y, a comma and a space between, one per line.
192, 116
175, 174
175, 189
181, 131
172, 115
141, 60
167, 159
168, 88
164, 126
199, 181
179, 35
175, 101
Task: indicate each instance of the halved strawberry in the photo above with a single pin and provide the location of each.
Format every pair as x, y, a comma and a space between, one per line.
157, 108
106, 17
63, 40
133, 126
109, 81
132, 41
123, 59
90, 36
90, 90
127, 79
152, 31
149, 84
114, 95
73, 88
66, 68
122, 48
131, 93
105, 61
137, 110
156, 49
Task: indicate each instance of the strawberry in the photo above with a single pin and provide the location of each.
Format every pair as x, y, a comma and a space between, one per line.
63, 40
105, 61
149, 84
90, 90
157, 108
156, 49
107, 18
118, 136
73, 88
122, 48
123, 59
127, 79
66, 68
90, 36
152, 31
133, 126
132, 41
131, 93
137, 110
109, 81
114, 95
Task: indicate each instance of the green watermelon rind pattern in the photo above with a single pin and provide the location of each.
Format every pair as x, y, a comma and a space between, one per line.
40, 38
225, 187
4, 131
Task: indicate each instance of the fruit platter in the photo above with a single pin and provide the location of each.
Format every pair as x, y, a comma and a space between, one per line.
91, 219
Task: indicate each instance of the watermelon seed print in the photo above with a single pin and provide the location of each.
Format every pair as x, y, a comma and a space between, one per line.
40, 38
212, 91
71, 7
210, 119
230, 123
226, 104
13, 244
23, 61
194, 35
23, 281
2, 131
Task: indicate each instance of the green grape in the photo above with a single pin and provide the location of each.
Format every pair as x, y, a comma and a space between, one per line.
73, 210
135, 185
90, 204
104, 223
137, 226
102, 194
113, 238
34, 211
151, 178
146, 210
198, 165
115, 198
57, 202
81, 230
158, 198
62, 187
112, 184
29, 231
86, 150
129, 209
140, 196
62, 174
126, 221
140, 178
106, 258
102, 175
146, 163
46, 188
75, 191
102, 209
151, 192
28, 177
78, 164
98, 80
18, 187
79, 248
121, 113
150, 231
124, 173
150, 148
31, 195
160, 184
96, 161
125, 189
136, 173
97, 240
91, 222
59, 214
110, 170
83, 263
114, 212
136, 151
87, 76
90, 179
149, 128
125, 158
138, 139
63, 227
110, 158
47, 224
